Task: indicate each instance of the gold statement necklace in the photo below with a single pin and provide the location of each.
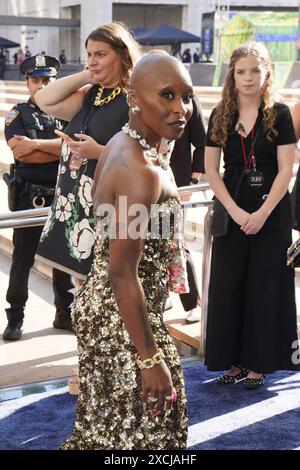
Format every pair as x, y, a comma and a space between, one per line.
99, 101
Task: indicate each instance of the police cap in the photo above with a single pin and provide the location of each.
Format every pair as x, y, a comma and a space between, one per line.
40, 66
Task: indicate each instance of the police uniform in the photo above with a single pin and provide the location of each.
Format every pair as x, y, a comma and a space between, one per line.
35, 186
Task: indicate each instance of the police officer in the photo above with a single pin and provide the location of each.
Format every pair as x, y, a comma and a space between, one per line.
29, 133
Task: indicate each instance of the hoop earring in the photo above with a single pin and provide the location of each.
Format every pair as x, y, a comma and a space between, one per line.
136, 109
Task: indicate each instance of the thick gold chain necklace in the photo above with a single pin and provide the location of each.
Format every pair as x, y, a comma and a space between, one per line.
102, 101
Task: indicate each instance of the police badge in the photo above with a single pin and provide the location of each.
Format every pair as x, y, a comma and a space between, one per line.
40, 61
11, 116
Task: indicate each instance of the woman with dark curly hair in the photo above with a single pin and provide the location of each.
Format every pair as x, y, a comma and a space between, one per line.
252, 327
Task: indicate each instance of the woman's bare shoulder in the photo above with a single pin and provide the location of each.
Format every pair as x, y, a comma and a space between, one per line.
128, 171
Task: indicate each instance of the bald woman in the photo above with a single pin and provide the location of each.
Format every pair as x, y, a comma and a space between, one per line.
131, 392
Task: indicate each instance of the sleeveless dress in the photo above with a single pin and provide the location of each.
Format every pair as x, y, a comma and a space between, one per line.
109, 409
68, 235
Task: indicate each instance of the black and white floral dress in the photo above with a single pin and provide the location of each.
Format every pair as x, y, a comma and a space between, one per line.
68, 235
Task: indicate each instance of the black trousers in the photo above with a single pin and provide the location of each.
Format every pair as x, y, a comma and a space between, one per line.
192, 298
25, 241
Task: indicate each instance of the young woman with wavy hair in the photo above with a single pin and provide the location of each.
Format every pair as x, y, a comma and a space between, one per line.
252, 327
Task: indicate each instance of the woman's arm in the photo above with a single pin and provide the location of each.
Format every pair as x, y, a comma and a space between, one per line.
296, 119
140, 187
212, 164
196, 126
285, 159
64, 97
125, 254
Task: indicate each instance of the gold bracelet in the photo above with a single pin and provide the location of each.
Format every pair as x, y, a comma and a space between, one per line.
151, 361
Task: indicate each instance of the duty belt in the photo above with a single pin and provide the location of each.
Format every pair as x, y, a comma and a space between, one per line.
38, 193
40, 190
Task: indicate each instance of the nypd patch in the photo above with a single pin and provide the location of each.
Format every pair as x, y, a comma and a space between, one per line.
11, 116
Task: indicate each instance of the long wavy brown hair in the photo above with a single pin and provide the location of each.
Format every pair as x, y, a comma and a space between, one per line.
119, 38
228, 107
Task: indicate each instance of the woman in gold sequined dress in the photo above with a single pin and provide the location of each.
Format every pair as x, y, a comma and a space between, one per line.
131, 392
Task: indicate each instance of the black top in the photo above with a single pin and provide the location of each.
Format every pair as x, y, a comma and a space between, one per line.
182, 162
265, 151
100, 122
27, 119
68, 235
196, 57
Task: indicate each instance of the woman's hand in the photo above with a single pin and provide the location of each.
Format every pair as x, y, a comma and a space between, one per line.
86, 147
255, 222
157, 389
240, 216
185, 197
87, 75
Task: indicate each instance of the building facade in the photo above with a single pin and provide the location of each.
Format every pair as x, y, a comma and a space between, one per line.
53, 25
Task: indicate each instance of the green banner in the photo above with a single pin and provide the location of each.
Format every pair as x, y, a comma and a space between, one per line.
217, 75
281, 73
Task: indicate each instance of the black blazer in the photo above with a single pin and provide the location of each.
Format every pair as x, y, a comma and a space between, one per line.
183, 163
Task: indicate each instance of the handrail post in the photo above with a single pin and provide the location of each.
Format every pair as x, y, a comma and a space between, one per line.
205, 278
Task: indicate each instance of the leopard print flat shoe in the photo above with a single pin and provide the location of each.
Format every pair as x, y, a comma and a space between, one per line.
226, 379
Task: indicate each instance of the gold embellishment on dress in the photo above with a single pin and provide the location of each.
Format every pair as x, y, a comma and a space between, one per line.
110, 412
102, 101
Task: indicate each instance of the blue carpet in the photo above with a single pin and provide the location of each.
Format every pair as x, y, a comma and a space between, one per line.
221, 417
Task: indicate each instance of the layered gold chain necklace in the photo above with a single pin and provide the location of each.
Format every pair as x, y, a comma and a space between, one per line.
99, 101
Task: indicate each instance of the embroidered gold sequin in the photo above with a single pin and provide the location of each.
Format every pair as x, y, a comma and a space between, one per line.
110, 411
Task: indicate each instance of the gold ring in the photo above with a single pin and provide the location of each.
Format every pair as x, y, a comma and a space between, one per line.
153, 399
169, 397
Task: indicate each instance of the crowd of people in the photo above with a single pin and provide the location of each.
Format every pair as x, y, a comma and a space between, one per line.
19, 56
186, 56
123, 124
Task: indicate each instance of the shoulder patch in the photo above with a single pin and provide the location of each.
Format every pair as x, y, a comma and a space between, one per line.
11, 116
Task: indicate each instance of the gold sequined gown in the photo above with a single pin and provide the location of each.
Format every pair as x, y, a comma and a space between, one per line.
109, 409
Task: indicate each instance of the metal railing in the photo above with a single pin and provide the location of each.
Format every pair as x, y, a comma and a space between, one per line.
27, 218
37, 217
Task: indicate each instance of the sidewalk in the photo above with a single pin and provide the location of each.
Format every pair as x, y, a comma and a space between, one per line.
43, 352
